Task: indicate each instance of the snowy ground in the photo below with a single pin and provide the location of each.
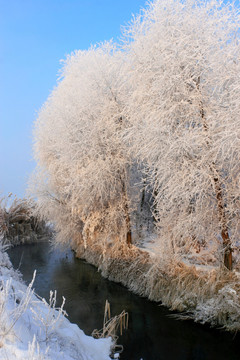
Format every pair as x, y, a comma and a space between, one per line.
30, 329
206, 259
150, 243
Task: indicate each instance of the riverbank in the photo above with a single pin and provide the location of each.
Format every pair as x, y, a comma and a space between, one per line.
32, 328
201, 293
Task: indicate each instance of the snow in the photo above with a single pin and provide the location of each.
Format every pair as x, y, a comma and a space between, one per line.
32, 329
151, 243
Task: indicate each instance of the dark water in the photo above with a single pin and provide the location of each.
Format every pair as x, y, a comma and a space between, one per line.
152, 334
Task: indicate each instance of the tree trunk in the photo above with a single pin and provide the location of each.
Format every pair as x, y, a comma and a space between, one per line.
227, 248
142, 199
125, 197
127, 217
223, 223
126, 211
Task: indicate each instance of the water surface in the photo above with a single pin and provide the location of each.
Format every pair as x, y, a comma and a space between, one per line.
152, 333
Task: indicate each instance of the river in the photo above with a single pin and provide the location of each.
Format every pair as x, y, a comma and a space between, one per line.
152, 333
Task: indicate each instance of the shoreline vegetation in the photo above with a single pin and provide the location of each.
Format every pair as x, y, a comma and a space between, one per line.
18, 224
203, 294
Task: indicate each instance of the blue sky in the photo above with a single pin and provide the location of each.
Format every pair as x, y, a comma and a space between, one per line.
34, 36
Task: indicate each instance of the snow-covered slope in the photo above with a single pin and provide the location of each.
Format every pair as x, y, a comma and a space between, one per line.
31, 329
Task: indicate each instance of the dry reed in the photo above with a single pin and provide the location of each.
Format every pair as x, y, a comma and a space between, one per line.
111, 326
204, 294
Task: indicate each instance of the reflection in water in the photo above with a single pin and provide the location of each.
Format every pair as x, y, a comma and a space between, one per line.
152, 334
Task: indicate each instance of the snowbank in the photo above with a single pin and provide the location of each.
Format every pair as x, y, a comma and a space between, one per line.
32, 329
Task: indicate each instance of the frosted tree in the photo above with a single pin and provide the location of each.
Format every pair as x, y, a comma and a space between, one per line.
184, 72
82, 176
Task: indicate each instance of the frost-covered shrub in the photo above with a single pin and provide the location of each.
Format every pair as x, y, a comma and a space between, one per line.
18, 224
74, 143
84, 166
223, 308
184, 108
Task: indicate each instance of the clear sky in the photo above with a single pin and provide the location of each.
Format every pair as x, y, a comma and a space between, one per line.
34, 36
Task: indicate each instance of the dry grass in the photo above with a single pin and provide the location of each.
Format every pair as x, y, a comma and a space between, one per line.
204, 294
111, 326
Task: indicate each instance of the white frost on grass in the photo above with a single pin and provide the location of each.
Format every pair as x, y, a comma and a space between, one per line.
30, 329
151, 243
